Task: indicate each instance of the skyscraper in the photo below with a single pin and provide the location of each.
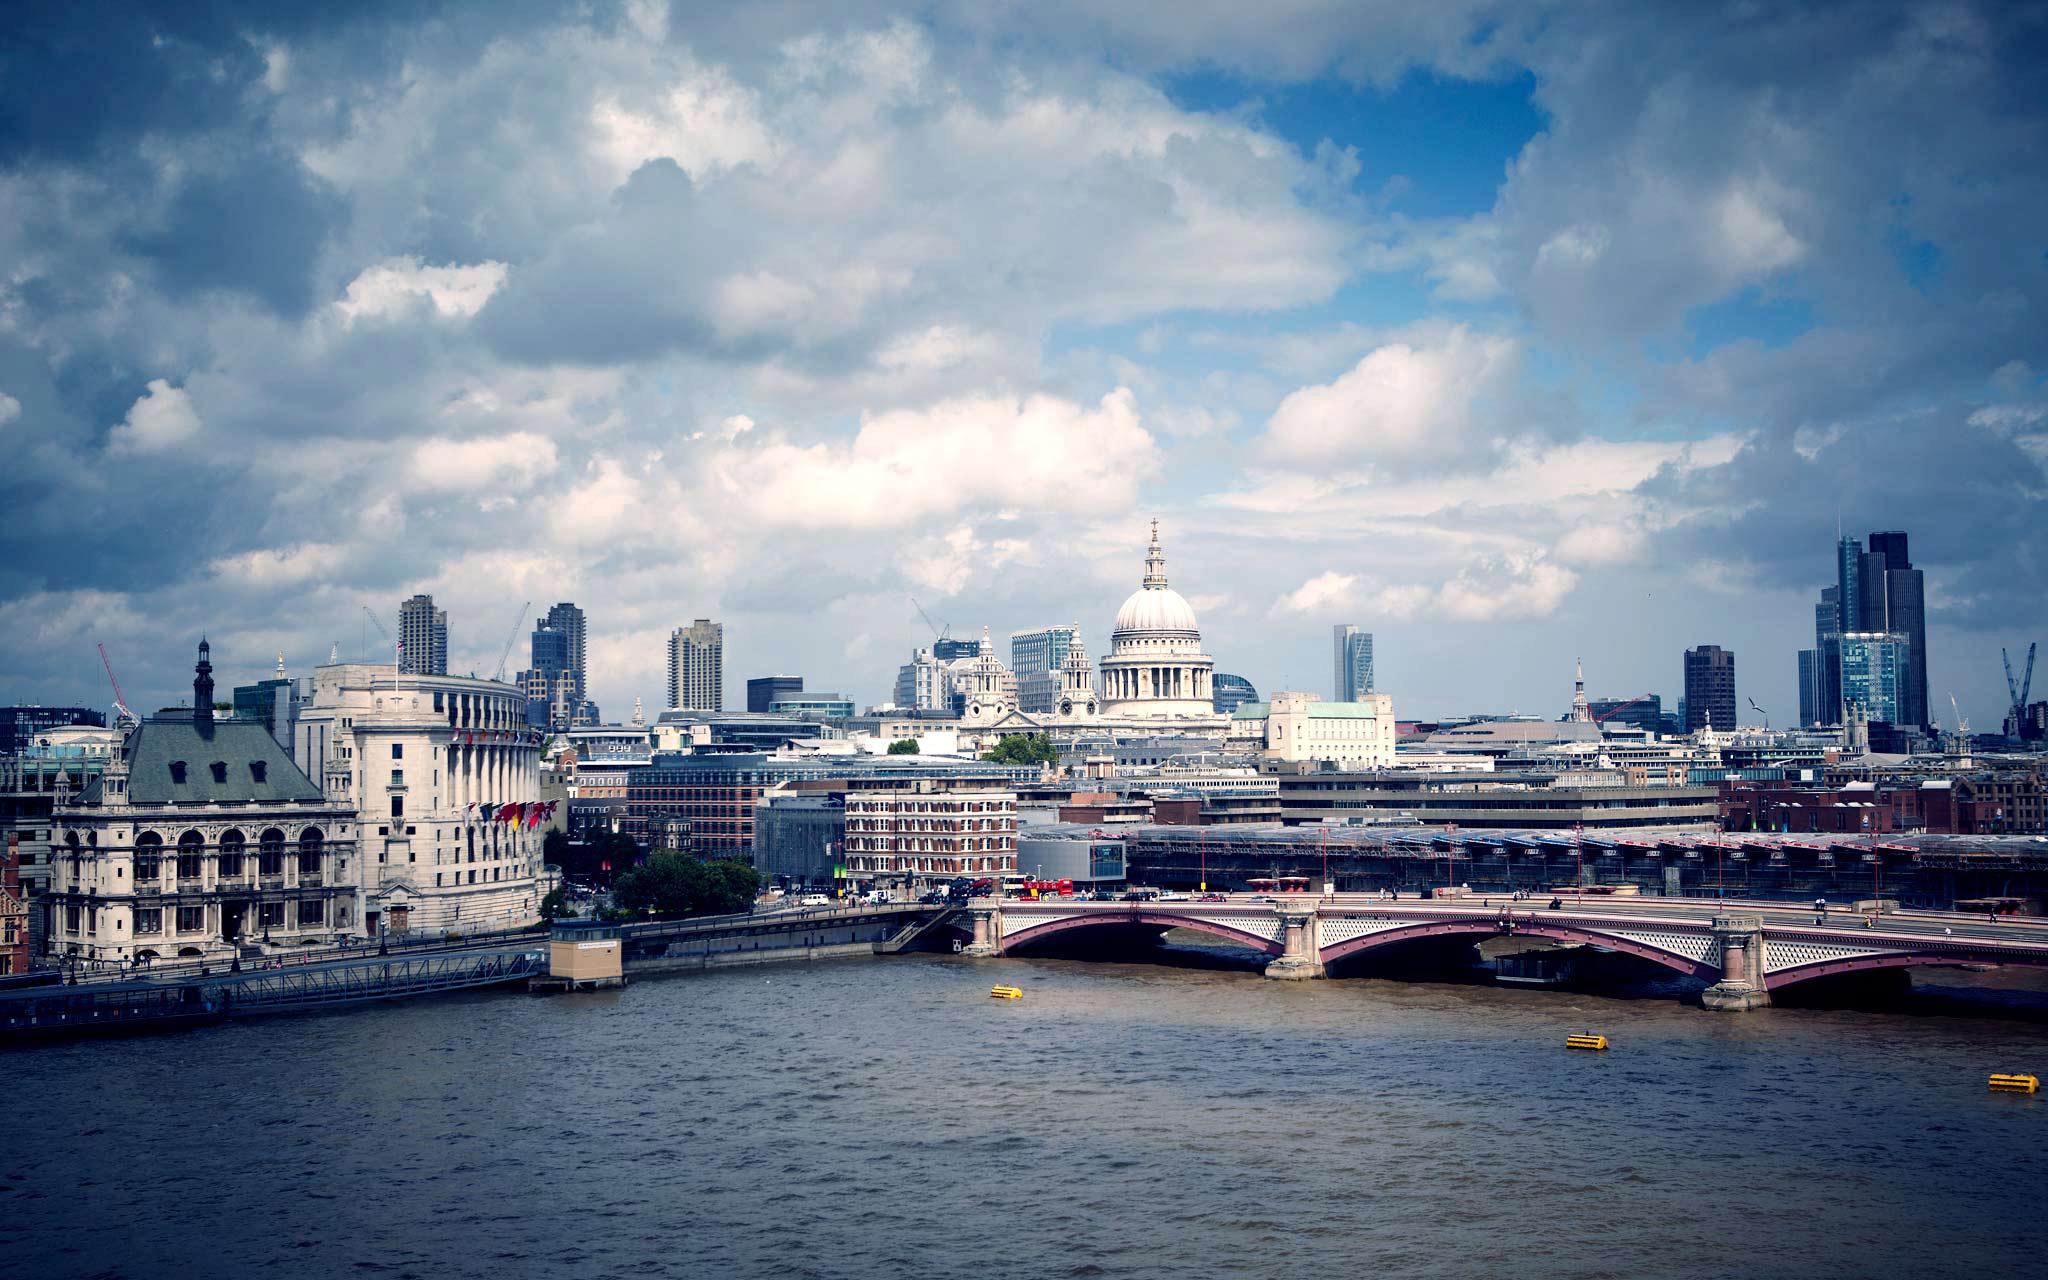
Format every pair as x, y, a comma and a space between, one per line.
1874, 674
1354, 663
696, 666
1709, 688
567, 619
1809, 687
1827, 663
423, 630
1901, 610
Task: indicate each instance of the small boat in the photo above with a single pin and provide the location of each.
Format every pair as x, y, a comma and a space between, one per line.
1547, 968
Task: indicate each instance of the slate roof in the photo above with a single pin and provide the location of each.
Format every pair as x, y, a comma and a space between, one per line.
235, 744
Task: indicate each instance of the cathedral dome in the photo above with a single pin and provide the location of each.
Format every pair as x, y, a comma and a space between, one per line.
1156, 609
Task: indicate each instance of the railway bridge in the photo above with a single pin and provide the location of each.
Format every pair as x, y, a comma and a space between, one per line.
1744, 951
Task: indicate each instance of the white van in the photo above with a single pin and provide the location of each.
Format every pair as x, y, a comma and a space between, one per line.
814, 900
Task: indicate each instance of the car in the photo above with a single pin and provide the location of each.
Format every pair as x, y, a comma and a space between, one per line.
931, 898
814, 900
1212, 897
1173, 897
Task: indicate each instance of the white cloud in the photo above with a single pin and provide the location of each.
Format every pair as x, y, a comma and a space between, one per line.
1321, 593
1404, 404
395, 284
10, 408
1599, 545
948, 562
906, 465
511, 461
283, 566
161, 419
1514, 583
705, 121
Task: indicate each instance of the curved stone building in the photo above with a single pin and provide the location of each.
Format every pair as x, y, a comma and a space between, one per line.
1155, 670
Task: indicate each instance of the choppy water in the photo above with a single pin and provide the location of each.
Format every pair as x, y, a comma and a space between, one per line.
886, 1118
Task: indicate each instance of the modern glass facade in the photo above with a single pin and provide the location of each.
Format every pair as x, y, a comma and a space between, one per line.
1035, 658
1231, 692
1874, 669
1354, 663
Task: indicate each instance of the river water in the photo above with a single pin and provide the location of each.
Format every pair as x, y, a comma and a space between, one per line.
887, 1118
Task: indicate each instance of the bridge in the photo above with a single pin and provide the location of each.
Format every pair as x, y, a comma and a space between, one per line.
1744, 951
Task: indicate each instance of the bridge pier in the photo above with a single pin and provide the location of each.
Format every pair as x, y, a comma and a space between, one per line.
1741, 988
1301, 956
987, 916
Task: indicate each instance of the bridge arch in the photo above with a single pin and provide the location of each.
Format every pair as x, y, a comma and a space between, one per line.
1161, 919
1481, 927
1939, 955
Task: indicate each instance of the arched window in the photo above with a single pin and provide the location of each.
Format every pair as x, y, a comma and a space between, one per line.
233, 844
270, 850
191, 847
309, 852
149, 848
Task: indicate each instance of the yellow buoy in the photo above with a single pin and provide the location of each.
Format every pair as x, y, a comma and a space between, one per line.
1007, 993
1585, 1042
2015, 1084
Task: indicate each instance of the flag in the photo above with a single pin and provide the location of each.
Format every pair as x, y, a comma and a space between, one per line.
509, 813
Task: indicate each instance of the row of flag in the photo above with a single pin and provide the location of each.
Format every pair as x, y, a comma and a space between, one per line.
531, 814
472, 737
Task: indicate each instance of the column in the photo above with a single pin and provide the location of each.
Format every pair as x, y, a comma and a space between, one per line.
1740, 942
987, 915
1301, 955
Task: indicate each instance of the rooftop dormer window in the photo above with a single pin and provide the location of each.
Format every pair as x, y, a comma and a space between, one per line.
178, 772
220, 771
257, 768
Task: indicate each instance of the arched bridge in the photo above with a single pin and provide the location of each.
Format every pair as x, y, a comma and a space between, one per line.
1745, 951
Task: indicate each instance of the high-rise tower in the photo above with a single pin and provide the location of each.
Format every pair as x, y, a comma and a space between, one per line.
696, 666
1354, 663
423, 630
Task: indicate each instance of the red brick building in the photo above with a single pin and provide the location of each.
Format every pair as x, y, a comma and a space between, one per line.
13, 913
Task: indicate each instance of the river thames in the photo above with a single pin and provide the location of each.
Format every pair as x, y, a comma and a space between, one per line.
886, 1118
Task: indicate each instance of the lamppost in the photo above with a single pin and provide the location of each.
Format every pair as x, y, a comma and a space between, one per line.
1579, 853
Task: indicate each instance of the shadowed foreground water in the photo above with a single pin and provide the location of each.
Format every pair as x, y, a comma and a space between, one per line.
885, 1118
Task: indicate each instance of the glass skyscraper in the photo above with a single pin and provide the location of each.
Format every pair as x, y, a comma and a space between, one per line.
1354, 662
1874, 674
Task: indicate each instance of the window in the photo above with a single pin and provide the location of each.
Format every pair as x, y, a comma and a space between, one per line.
257, 769
269, 915
312, 911
398, 777
71, 919
398, 806
270, 861
148, 849
191, 919
309, 851
398, 751
232, 844
219, 769
149, 920
437, 879
178, 772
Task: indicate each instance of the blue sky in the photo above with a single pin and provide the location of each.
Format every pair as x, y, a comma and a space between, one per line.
1518, 334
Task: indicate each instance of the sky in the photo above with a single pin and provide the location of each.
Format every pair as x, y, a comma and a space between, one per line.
1517, 334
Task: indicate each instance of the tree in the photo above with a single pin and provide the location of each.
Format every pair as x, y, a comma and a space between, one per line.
554, 848
670, 885
554, 906
905, 747
1023, 748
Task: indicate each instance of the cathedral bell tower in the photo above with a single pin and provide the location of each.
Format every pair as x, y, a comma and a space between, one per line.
202, 688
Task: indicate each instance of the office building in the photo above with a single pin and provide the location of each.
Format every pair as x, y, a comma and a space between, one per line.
1875, 671
1709, 688
1232, 692
423, 632
826, 706
764, 691
274, 703
696, 666
947, 649
1354, 663
443, 774
1896, 603
1809, 688
1301, 726
19, 725
921, 684
566, 620
1646, 712
1035, 659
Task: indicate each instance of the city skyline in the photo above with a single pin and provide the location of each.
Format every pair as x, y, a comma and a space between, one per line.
1477, 388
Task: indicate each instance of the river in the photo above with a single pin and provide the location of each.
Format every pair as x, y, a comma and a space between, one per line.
887, 1118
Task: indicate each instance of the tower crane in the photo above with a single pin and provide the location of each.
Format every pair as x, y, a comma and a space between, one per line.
938, 631
2020, 689
506, 655
398, 646
120, 702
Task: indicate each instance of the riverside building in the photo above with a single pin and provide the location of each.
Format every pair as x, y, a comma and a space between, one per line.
200, 836
417, 758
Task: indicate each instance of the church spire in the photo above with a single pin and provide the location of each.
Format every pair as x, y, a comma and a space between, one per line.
1155, 561
202, 687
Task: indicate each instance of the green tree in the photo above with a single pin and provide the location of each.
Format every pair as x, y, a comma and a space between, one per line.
905, 747
554, 906
1023, 748
554, 848
670, 885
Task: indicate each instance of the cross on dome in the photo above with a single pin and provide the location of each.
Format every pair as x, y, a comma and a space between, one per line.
1155, 561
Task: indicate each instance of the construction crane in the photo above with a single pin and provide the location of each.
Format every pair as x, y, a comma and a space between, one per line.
1760, 711
120, 702
2020, 689
506, 655
398, 646
938, 631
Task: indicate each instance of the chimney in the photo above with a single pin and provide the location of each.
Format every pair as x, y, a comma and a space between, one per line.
202, 688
